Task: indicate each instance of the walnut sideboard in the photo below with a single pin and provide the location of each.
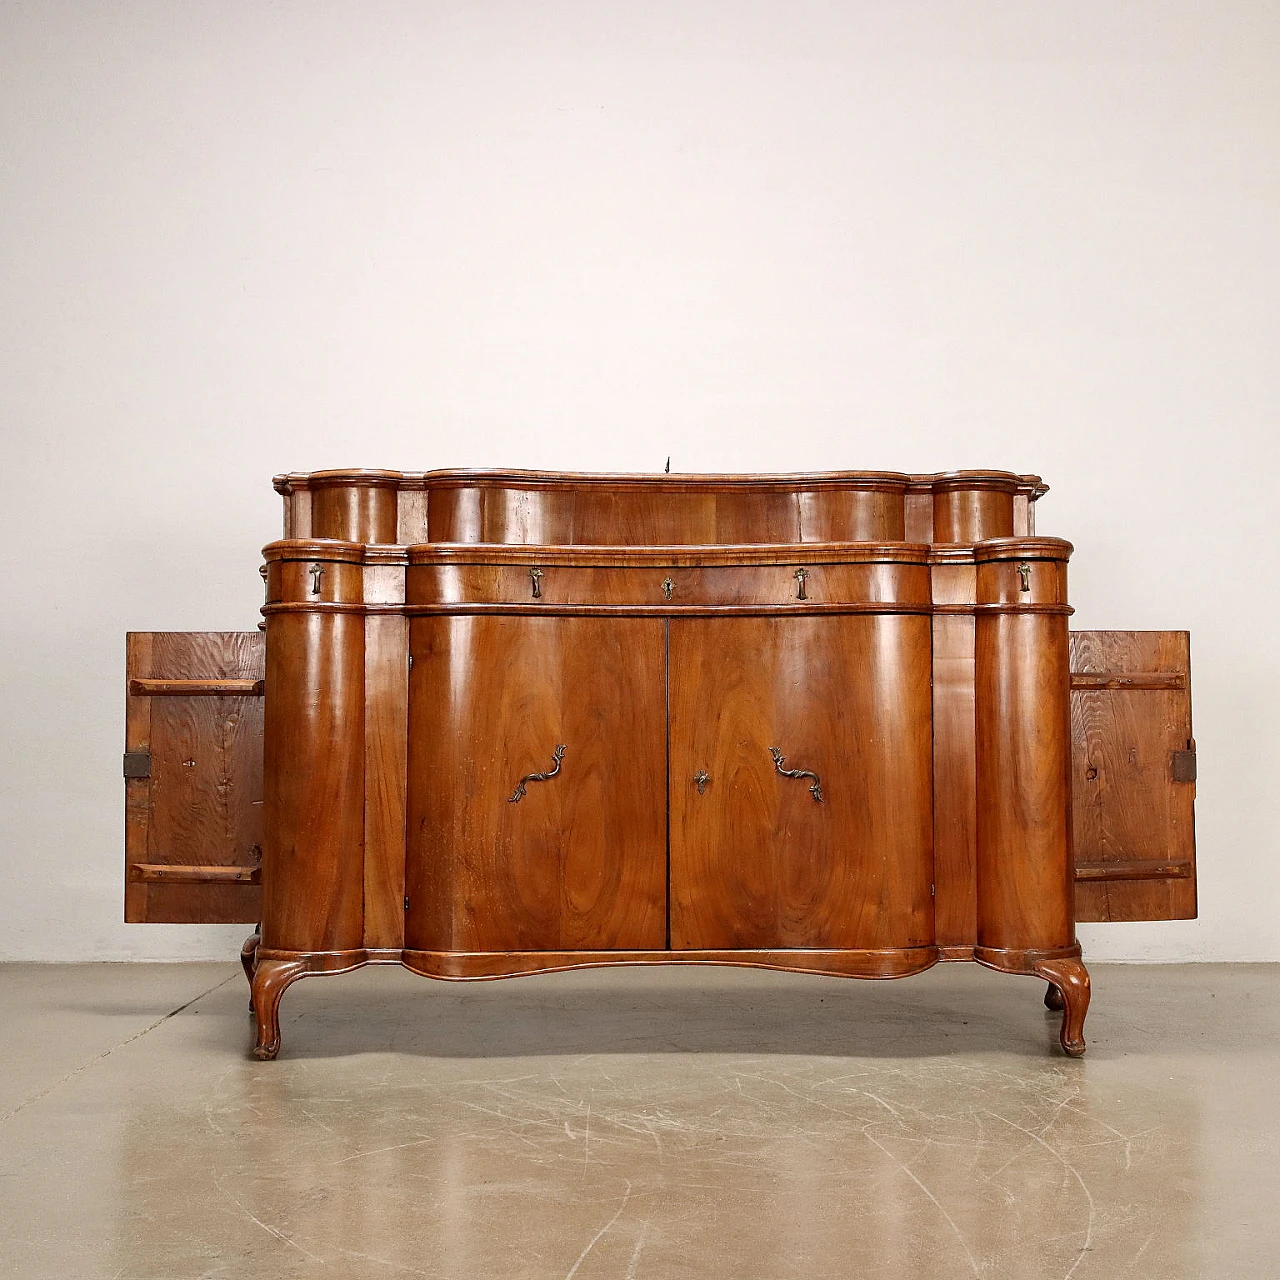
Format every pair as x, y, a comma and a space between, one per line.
502, 723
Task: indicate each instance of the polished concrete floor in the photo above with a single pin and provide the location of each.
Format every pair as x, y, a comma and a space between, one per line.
718, 1124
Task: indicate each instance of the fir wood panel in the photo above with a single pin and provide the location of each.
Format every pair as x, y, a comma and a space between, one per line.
756, 859
197, 817
579, 860
1134, 824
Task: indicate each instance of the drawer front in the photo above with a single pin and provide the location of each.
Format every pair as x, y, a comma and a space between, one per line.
669, 586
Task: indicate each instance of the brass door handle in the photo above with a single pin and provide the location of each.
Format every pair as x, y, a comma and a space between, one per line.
535, 576
801, 575
1024, 573
779, 760
317, 572
556, 757
701, 778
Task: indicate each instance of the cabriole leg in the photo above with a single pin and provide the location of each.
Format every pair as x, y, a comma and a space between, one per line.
1070, 979
270, 978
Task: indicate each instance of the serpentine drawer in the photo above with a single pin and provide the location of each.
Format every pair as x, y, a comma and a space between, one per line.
852, 577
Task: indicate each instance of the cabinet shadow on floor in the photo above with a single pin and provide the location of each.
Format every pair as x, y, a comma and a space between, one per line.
949, 1010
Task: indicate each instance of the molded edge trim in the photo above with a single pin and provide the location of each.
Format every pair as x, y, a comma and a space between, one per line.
1008, 960
891, 481
1021, 549
671, 555
897, 962
889, 962
671, 609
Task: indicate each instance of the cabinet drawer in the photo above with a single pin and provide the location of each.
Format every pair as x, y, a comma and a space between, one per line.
547, 580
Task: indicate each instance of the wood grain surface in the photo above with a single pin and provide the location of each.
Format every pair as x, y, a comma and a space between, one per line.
955, 796
1134, 825
573, 507
201, 806
524, 721
579, 861
756, 861
314, 782
1023, 781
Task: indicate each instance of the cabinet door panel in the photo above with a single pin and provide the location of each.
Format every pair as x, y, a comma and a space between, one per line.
1133, 775
193, 769
579, 859
756, 859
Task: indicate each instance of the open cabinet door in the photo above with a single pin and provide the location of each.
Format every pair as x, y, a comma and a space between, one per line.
193, 777
1133, 775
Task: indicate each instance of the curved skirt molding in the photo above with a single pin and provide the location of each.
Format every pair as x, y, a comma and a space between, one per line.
1008, 960
894, 962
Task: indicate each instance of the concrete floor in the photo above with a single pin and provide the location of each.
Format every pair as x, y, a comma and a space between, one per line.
718, 1124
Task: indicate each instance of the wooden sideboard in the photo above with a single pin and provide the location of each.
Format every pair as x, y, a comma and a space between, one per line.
501, 723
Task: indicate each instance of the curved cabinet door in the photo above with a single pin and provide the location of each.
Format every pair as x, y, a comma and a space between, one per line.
756, 859
576, 860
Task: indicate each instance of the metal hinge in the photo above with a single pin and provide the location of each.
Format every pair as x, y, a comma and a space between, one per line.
1182, 764
137, 764
406, 902
411, 662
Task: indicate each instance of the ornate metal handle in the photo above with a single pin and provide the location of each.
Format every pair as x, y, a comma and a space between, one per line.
1024, 572
701, 778
800, 576
779, 760
535, 576
317, 572
556, 757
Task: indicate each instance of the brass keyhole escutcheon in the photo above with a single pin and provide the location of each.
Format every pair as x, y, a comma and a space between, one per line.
1024, 572
701, 778
668, 588
317, 572
801, 576
535, 576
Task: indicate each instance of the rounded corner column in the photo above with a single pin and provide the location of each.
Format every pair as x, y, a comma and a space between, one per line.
1025, 875
314, 777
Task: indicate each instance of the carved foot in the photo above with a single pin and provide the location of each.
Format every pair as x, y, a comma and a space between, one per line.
1069, 979
270, 978
248, 957
1053, 999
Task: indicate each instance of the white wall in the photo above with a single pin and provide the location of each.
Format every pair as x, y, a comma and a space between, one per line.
239, 238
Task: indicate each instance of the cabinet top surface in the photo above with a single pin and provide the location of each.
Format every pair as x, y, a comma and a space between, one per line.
1007, 481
